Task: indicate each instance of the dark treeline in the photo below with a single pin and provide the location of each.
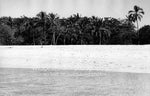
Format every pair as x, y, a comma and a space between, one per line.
49, 29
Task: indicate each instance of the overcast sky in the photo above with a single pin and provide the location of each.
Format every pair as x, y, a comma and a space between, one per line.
65, 8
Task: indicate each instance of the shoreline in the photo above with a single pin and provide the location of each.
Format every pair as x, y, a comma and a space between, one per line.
74, 70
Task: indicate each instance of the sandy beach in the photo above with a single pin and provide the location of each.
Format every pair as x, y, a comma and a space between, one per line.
108, 58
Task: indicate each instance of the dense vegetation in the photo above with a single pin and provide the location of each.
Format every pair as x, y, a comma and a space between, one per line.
49, 29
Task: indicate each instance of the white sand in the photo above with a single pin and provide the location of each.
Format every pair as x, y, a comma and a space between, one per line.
108, 58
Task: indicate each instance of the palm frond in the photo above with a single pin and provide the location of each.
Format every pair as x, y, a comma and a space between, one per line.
139, 15
142, 12
139, 18
131, 12
106, 31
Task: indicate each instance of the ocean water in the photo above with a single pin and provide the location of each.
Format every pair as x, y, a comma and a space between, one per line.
48, 82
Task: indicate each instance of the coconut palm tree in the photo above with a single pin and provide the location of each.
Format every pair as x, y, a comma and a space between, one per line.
54, 27
104, 35
127, 32
135, 15
100, 30
29, 29
42, 21
5, 35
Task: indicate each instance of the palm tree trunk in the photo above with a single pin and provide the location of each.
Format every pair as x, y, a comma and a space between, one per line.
44, 33
100, 38
137, 25
57, 38
137, 31
33, 39
53, 39
64, 41
80, 41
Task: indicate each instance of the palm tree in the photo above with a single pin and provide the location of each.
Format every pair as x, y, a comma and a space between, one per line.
42, 17
104, 35
135, 15
5, 35
29, 28
127, 32
54, 27
101, 31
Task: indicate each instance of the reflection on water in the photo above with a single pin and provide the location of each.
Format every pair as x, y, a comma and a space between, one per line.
29, 82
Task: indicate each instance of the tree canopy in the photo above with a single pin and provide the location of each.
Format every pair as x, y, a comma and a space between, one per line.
50, 29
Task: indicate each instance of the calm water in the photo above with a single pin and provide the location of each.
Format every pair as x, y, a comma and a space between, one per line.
29, 82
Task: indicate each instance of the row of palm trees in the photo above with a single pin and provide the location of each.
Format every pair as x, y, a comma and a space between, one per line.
49, 29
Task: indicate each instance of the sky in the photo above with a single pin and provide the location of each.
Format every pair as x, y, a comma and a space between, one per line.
65, 8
